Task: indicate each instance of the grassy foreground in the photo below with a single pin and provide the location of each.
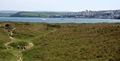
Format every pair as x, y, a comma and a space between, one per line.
62, 42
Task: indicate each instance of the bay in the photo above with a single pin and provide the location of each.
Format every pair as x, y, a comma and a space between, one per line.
58, 20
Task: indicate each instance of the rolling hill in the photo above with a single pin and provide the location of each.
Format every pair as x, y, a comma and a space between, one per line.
35, 14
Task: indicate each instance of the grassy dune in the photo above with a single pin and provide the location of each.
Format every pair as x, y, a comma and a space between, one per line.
64, 42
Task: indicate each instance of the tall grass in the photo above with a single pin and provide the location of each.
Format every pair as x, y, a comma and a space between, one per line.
67, 41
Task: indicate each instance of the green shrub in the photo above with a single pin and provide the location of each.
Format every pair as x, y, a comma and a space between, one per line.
21, 43
53, 25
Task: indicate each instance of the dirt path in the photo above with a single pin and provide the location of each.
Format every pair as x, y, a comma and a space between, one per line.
28, 47
12, 40
20, 55
6, 44
31, 45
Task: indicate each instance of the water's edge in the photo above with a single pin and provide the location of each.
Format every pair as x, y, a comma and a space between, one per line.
58, 20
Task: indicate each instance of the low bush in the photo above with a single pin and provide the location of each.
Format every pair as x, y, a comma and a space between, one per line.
20, 43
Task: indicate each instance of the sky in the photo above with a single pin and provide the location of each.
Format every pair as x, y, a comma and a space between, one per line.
59, 5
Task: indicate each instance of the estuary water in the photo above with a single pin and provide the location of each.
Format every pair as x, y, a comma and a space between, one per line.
58, 20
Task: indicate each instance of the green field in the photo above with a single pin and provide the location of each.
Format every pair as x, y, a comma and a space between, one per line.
60, 42
35, 14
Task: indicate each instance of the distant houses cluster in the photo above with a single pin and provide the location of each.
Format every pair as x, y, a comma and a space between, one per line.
110, 14
106, 14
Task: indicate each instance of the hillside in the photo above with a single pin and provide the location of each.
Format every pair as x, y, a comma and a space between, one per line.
105, 14
35, 14
60, 42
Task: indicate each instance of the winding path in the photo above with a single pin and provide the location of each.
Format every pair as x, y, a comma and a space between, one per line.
31, 45
13, 40
28, 47
20, 55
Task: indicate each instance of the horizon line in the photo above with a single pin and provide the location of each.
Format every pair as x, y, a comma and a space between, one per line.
59, 11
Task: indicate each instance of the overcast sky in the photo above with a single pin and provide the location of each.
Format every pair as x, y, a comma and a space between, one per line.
59, 5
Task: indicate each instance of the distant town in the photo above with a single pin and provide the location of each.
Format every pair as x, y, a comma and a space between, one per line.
105, 14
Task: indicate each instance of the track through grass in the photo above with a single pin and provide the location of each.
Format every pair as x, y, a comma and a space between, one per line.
15, 40
30, 44
61, 42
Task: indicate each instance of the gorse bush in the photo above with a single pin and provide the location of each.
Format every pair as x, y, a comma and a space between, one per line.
21, 43
8, 25
52, 25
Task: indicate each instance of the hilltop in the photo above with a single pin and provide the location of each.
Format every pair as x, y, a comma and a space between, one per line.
61, 42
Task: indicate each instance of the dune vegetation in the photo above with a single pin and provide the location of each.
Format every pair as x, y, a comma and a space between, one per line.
60, 42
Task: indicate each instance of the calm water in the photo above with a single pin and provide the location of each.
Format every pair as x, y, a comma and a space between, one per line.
57, 20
